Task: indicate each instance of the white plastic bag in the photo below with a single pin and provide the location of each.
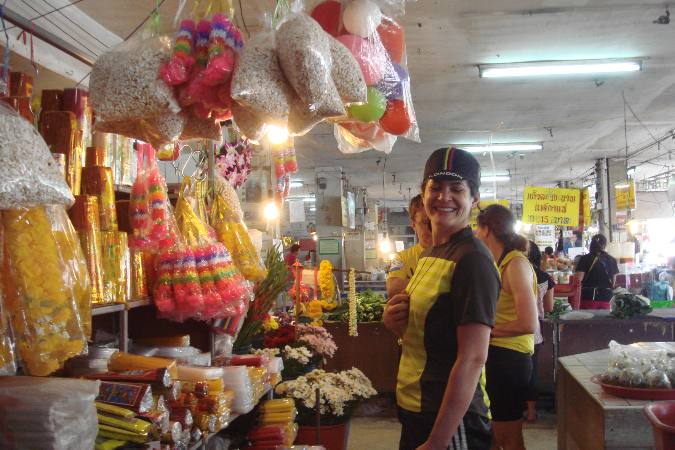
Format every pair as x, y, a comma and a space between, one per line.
48, 413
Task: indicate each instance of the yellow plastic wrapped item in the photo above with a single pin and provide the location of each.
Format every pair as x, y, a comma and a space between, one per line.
231, 230
103, 443
126, 361
112, 410
115, 263
138, 426
7, 358
40, 293
124, 435
76, 264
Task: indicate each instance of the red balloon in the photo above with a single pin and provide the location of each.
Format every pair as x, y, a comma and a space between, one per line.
392, 36
365, 131
327, 14
396, 119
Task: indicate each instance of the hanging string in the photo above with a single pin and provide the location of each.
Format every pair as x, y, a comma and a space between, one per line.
5, 54
32, 52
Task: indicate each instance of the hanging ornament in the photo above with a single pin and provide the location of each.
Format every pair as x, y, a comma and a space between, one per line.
353, 330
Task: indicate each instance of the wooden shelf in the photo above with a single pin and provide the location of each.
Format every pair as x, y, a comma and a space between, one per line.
107, 309
131, 304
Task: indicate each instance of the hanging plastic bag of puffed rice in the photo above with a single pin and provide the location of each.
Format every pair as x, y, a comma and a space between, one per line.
130, 98
28, 172
371, 32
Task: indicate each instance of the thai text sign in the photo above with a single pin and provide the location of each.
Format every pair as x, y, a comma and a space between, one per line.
482, 205
551, 206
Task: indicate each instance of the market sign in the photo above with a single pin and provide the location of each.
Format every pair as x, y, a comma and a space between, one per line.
625, 195
551, 206
473, 220
585, 208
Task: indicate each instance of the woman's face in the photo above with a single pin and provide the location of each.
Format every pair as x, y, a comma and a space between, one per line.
448, 204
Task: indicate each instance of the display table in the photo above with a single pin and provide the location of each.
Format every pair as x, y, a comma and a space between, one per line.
589, 418
571, 337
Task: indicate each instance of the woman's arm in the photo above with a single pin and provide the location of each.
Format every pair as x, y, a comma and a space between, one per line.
472, 348
518, 281
548, 300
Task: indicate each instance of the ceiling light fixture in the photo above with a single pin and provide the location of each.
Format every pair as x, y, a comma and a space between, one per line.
513, 147
494, 178
297, 184
552, 68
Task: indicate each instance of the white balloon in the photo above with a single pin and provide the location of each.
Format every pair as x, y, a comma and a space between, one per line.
362, 17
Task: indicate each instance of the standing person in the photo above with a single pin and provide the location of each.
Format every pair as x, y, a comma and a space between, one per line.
545, 287
597, 272
448, 311
550, 259
509, 363
403, 265
292, 256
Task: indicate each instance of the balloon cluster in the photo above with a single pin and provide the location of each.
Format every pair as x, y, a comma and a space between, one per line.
378, 44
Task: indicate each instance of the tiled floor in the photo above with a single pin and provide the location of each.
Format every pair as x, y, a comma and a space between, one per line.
382, 433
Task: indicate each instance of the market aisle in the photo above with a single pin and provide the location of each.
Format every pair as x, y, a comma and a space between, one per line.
381, 433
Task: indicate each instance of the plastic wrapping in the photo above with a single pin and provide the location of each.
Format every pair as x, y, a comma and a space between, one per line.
98, 182
231, 230
158, 131
40, 292
115, 266
124, 361
28, 172
233, 161
237, 378
370, 32
149, 210
634, 366
347, 74
303, 49
7, 356
60, 132
124, 83
259, 84
48, 413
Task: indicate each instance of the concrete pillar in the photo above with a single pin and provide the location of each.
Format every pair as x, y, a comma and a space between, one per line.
329, 201
609, 173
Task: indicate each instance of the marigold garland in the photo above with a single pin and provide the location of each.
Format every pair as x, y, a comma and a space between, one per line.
353, 331
326, 284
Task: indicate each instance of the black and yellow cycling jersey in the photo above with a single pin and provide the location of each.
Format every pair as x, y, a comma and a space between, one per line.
454, 284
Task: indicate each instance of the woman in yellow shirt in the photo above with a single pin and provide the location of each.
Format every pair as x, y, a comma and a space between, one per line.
509, 363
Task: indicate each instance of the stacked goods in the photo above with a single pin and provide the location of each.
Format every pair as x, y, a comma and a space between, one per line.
237, 379
19, 94
48, 413
277, 425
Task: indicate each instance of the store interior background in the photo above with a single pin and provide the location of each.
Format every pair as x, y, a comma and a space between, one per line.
625, 122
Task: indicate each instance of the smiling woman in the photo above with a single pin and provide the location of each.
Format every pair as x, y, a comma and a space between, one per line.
446, 315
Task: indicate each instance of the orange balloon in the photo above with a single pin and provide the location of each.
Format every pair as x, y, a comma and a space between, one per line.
327, 14
392, 36
396, 119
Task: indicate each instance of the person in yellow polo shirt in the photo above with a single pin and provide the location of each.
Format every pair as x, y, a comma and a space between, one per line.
509, 363
403, 266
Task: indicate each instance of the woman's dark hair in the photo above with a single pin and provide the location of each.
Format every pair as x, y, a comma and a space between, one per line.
598, 244
294, 248
548, 251
415, 206
500, 221
534, 254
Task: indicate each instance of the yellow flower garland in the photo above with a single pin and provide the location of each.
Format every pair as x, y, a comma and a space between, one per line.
353, 331
326, 284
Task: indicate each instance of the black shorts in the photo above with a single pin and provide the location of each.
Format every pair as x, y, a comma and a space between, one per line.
507, 380
475, 432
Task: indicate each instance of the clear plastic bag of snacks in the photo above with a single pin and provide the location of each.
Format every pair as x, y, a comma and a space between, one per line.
231, 230
40, 292
636, 366
28, 172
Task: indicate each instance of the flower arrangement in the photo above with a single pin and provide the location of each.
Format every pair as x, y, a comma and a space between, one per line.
339, 394
233, 161
317, 338
300, 354
283, 335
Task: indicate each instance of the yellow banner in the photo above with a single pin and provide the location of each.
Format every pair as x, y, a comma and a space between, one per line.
482, 205
625, 195
551, 206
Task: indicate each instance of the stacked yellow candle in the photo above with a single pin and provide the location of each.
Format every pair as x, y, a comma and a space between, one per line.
115, 260
40, 300
85, 217
139, 286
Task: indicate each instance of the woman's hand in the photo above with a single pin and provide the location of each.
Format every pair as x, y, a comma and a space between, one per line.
395, 315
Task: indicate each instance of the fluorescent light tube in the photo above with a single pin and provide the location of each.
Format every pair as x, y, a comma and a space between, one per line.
501, 148
297, 184
309, 200
552, 68
494, 178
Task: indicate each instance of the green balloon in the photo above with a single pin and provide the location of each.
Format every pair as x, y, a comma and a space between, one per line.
371, 111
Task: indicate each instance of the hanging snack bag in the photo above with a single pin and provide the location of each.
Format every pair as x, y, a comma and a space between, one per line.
7, 356
28, 172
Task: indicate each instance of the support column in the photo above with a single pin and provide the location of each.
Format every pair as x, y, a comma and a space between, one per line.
329, 207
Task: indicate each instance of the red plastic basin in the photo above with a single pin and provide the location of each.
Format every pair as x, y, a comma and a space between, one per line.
662, 417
